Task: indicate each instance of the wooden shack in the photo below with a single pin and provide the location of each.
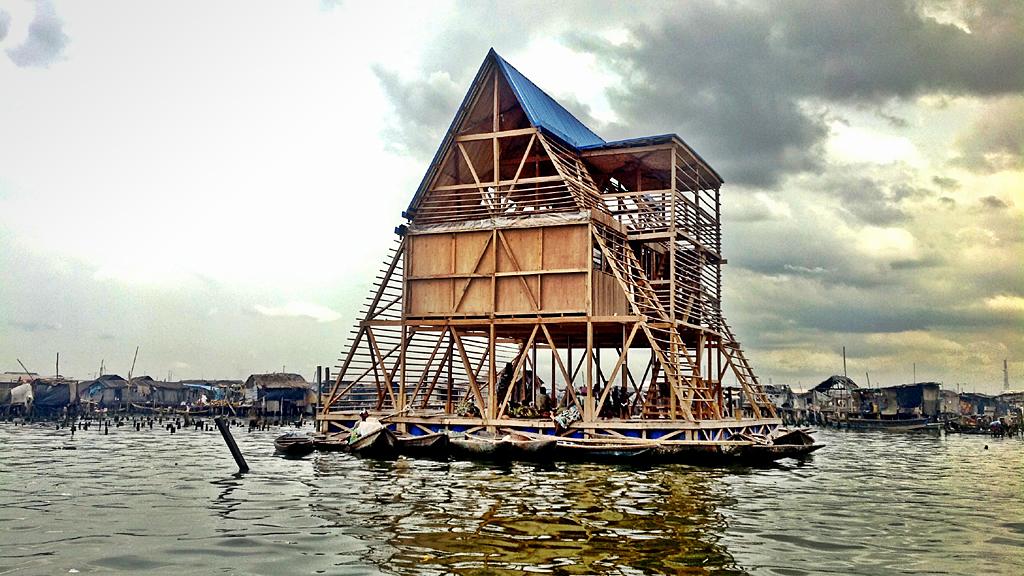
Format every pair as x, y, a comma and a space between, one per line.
532, 245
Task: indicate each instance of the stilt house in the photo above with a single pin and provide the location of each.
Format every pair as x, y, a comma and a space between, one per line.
532, 244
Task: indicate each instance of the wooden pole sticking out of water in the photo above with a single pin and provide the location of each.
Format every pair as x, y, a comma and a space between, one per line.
230, 441
319, 387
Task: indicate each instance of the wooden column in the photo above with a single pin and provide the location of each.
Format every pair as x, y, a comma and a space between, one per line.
588, 406
492, 377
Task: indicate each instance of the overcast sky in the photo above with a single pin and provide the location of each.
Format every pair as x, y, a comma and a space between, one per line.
217, 182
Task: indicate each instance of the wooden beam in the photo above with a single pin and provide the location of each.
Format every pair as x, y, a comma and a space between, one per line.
618, 365
383, 368
515, 264
469, 370
515, 372
496, 134
561, 366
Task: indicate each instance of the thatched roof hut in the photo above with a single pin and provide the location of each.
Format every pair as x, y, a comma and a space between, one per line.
277, 386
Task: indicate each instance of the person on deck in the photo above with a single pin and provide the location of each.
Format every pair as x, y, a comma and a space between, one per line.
544, 402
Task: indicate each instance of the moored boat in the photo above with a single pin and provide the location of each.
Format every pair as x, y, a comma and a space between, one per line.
433, 445
893, 424
331, 442
293, 445
510, 447
604, 451
377, 442
790, 444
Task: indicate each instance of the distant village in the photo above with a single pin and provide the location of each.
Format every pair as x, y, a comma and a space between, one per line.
281, 394
837, 400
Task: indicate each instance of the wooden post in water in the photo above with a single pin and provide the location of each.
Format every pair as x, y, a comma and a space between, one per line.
319, 387
230, 441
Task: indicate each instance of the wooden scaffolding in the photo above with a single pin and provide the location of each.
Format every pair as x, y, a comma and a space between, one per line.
532, 247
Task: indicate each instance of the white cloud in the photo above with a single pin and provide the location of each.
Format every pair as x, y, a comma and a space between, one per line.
1006, 303
300, 310
857, 144
887, 243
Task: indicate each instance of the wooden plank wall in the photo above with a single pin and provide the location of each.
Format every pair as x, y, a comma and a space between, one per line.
539, 270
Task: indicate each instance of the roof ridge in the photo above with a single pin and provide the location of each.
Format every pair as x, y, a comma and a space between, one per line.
566, 125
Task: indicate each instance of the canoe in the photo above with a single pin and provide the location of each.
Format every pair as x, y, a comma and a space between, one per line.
773, 452
293, 445
377, 444
605, 452
331, 443
892, 424
506, 448
799, 437
433, 445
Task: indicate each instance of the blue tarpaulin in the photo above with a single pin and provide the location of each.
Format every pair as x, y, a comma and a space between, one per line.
212, 392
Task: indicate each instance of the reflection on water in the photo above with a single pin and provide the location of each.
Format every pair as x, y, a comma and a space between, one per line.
146, 502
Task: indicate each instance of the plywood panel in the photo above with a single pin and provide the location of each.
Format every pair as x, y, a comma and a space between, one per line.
511, 295
430, 297
430, 255
526, 245
564, 292
609, 299
468, 246
477, 299
565, 247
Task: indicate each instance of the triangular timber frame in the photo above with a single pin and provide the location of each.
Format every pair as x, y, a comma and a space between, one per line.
531, 233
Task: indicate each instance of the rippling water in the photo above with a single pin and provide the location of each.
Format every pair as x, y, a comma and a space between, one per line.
151, 502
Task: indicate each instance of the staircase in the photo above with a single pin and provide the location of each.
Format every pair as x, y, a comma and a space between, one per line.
759, 401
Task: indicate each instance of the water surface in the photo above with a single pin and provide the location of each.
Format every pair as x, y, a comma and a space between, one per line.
150, 502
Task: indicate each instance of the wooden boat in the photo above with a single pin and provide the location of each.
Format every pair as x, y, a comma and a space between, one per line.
331, 442
792, 444
379, 443
293, 445
605, 451
892, 424
506, 448
772, 452
433, 445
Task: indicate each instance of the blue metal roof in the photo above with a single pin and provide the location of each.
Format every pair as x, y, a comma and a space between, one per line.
544, 112
632, 142
541, 109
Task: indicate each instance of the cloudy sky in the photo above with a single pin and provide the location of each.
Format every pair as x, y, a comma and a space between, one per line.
217, 182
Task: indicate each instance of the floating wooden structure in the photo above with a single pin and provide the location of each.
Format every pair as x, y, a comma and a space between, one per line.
535, 247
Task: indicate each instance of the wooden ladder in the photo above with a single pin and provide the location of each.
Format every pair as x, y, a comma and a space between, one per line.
745, 374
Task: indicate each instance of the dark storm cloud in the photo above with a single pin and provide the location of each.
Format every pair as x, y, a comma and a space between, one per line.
425, 105
743, 83
423, 109
946, 183
46, 39
804, 250
5, 24
870, 201
736, 80
995, 141
994, 203
870, 194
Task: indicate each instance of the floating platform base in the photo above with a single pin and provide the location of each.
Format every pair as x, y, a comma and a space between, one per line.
615, 440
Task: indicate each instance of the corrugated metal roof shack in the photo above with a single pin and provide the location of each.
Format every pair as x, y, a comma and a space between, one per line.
279, 392
107, 391
52, 396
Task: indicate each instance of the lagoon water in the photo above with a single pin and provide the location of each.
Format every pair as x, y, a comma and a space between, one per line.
149, 502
